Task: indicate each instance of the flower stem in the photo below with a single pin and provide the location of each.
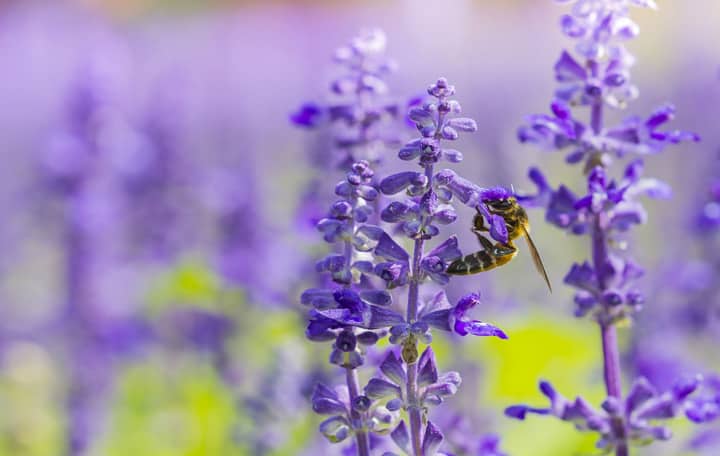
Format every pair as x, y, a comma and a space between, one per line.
613, 382
601, 260
361, 436
76, 271
611, 354
611, 358
414, 409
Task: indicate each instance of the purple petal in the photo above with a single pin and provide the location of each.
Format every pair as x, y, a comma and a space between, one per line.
653, 188
439, 319
539, 179
401, 437
449, 133
478, 328
325, 401
462, 188
377, 297
397, 212
561, 110
571, 26
568, 69
432, 439
462, 124
317, 297
438, 302
307, 116
517, 411
498, 229
379, 389
335, 429
634, 170
685, 387
399, 182
452, 155
380, 317
661, 115
410, 151
388, 248
393, 369
428, 372
640, 392
420, 115
466, 303
625, 215
582, 276
447, 251
319, 328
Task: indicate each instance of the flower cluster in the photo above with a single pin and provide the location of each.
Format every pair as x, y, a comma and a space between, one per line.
336, 312
359, 311
600, 77
636, 418
359, 111
611, 206
597, 76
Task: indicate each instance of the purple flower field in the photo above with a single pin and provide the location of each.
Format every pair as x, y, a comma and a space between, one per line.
243, 228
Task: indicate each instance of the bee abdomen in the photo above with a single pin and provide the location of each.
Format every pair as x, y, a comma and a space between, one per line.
472, 264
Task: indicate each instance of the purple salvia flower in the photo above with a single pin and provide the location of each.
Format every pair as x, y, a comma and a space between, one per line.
350, 314
633, 419
372, 261
597, 76
358, 112
77, 169
428, 203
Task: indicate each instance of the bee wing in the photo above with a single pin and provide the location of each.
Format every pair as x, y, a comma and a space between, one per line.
536, 258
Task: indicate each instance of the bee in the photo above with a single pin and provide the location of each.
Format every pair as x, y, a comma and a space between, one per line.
494, 255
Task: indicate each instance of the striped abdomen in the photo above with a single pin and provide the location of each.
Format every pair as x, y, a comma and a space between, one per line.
482, 260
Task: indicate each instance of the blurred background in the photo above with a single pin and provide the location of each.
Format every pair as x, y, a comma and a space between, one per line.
153, 255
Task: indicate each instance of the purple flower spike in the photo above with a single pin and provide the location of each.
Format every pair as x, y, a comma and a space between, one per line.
465, 326
594, 75
368, 261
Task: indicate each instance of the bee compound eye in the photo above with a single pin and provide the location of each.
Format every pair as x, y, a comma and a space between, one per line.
500, 204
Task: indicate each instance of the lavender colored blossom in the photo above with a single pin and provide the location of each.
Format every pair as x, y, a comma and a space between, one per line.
358, 112
634, 419
75, 169
370, 262
428, 203
597, 76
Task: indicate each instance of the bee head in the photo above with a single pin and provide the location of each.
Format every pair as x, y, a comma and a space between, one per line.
501, 204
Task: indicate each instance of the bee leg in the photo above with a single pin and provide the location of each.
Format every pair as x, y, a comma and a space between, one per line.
502, 253
484, 242
479, 222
